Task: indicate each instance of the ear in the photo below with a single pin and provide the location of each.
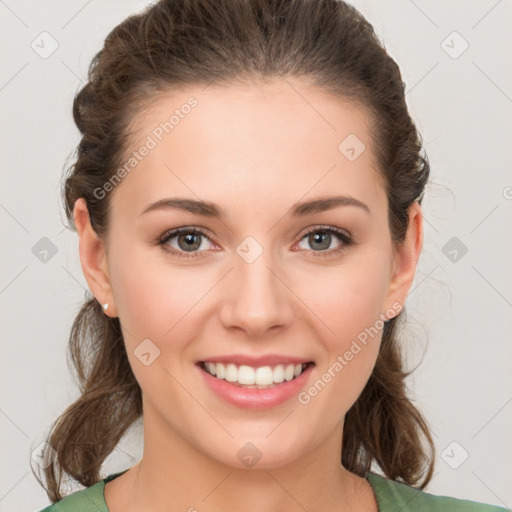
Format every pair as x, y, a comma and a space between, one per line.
406, 257
93, 258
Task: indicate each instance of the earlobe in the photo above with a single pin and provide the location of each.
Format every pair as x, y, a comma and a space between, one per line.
406, 256
93, 257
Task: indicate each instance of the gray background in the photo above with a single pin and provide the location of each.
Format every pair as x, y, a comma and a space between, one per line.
460, 306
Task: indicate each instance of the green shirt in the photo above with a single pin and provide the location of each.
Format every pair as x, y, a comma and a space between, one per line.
391, 497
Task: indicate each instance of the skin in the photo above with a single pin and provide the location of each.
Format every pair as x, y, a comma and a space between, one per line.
255, 150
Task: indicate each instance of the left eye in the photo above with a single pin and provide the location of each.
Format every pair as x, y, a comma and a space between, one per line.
190, 240
321, 237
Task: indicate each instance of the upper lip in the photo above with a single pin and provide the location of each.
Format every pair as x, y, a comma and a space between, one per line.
256, 362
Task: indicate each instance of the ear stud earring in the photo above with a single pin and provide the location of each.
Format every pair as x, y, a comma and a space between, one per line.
105, 307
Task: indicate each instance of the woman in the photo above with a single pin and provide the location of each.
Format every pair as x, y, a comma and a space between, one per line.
247, 195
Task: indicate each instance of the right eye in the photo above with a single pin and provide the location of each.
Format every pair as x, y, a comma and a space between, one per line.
188, 240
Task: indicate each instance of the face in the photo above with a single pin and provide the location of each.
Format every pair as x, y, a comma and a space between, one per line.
267, 276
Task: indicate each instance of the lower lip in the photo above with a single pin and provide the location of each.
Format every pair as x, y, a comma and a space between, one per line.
256, 398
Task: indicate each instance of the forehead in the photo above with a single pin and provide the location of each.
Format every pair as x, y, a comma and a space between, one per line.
267, 142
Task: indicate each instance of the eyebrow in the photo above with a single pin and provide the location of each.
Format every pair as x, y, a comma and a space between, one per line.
208, 209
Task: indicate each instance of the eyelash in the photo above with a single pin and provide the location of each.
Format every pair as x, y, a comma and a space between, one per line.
343, 237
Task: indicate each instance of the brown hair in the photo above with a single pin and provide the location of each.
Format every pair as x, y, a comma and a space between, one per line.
177, 42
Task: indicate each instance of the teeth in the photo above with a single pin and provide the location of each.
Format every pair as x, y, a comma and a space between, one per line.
262, 377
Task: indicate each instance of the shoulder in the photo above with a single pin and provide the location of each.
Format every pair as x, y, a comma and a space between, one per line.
395, 496
90, 499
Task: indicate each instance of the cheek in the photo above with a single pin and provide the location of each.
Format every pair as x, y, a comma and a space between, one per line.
350, 298
351, 346
154, 300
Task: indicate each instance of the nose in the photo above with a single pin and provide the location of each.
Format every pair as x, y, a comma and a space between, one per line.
257, 299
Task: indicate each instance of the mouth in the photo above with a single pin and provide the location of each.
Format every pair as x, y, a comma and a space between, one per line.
249, 377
